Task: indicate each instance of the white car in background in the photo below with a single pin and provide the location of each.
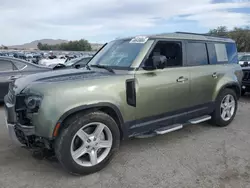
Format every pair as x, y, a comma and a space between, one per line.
51, 62
244, 60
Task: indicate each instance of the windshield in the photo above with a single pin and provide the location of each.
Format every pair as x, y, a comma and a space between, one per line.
245, 58
118, 53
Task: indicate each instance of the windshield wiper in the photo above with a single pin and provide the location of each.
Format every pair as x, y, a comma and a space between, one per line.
104, 67
87, 66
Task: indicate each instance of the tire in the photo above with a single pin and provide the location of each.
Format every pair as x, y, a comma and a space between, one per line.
63, 143
217, 114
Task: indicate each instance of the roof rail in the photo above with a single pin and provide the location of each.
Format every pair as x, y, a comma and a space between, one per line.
209, 35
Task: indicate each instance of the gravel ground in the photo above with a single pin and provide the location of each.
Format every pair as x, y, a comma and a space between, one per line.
196, 156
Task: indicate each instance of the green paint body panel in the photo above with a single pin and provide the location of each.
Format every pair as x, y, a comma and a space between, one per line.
157, 91
58, 100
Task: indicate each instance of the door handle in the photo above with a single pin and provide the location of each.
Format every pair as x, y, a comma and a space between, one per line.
181, 79
214, 75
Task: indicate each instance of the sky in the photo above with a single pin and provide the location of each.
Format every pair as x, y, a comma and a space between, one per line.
100, 21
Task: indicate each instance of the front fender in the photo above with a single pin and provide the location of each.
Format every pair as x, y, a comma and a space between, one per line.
92, 106
51, 112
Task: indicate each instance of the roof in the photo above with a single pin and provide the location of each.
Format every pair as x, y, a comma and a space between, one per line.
187, 36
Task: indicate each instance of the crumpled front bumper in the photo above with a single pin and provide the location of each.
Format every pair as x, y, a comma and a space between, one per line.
12, 124
12, 133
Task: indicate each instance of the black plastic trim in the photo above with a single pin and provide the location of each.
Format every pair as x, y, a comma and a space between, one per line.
229, 85
130, 92
97, 106
167, 119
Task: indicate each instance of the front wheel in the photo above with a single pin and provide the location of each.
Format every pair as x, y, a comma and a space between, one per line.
88, 142
225, 108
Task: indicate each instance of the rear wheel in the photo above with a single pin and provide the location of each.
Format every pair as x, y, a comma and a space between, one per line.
225, 108
88, 143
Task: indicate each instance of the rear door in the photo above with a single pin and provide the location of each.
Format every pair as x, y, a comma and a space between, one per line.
210, 61
203, 77
7, 73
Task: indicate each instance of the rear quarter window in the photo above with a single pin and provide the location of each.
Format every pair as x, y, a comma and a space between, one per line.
222, 53
232, 53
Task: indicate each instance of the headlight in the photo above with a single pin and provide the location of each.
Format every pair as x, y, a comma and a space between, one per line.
33, 102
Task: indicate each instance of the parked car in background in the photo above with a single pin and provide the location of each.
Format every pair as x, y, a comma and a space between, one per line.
73, 63
51, 62
12, 68
244, 60
245, 86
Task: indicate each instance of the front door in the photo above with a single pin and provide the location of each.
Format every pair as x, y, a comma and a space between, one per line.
162, 95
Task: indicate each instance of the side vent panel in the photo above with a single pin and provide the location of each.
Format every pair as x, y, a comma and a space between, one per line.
130, 92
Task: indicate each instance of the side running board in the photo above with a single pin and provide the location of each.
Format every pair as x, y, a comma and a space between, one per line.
200, 119
169, 129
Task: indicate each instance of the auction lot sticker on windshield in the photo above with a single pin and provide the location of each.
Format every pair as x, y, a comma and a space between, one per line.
139, 39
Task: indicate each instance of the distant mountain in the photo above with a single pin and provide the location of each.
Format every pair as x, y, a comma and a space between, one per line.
33, 44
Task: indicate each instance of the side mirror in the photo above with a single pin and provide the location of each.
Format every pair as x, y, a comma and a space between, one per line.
155, 62
159, 61
77, 66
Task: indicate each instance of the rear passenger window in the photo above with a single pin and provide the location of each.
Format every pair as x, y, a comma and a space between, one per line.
196, 54
232, 53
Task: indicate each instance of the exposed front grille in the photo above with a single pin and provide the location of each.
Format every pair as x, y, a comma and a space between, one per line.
246, 76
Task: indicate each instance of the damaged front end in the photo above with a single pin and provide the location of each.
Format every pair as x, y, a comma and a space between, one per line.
18, 108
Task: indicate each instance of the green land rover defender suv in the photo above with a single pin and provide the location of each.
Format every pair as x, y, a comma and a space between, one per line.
132, 87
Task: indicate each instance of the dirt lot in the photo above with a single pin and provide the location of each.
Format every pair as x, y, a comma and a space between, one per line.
196, 156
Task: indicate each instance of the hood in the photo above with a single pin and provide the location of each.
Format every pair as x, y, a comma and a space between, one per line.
58, 76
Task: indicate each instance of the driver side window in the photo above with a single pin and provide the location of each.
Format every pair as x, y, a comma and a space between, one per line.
172, 51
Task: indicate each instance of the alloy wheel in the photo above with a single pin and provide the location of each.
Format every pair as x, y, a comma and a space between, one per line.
227, 107
91, 144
